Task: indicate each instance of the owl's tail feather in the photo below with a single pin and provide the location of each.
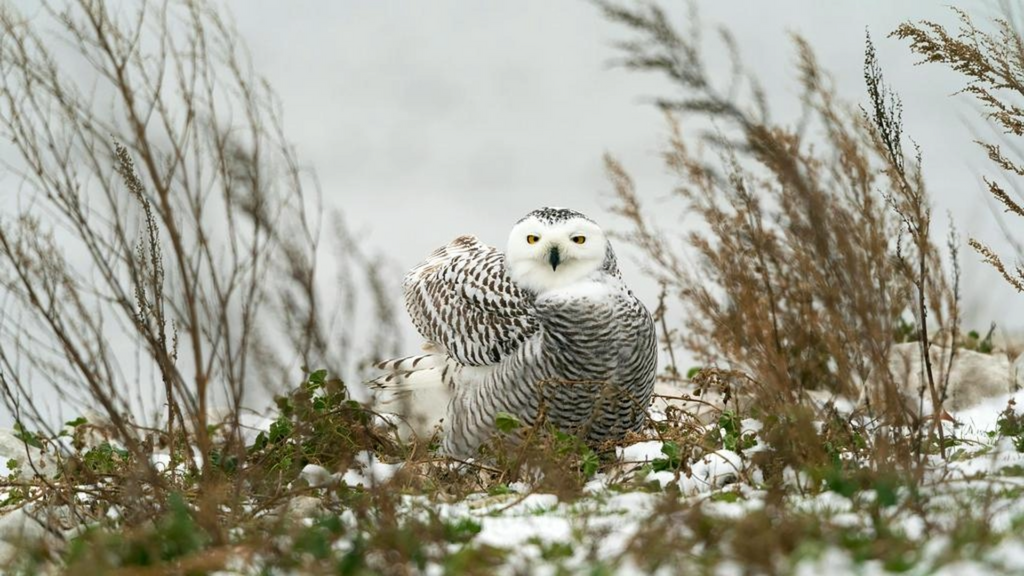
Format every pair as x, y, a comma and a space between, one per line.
411, 363
413, 389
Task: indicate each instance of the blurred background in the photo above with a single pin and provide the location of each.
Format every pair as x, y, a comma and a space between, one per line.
427, 121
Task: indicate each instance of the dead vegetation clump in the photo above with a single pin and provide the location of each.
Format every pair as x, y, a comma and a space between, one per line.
992, 63
159, 209
811, 257
814, 245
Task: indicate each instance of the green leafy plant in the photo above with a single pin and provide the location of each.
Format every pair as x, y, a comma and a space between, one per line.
974, 340
730, 433
173, 536
318, 423
462, 530
33, 439
317, 539
1010, 425
106, 458
672, 460
507, 423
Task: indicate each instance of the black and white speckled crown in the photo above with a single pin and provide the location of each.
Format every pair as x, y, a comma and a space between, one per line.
549, 215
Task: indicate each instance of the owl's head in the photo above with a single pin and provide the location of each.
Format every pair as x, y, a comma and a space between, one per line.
552, 248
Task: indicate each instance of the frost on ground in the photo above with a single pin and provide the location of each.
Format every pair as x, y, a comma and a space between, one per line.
659, 505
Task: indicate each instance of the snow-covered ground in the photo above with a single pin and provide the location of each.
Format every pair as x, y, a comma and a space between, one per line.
639, 514
980, 483
724, 486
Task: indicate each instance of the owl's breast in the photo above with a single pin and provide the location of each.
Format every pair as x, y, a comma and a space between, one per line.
587, 328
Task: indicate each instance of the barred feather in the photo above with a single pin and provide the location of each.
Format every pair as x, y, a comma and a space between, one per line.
583, 355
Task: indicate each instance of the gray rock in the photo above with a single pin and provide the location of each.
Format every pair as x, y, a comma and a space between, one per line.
974, 377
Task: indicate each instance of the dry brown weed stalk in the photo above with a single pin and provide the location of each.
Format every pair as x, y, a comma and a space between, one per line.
813, 242
160, 237
992, 63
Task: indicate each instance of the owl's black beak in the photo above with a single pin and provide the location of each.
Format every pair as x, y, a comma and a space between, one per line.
553, 257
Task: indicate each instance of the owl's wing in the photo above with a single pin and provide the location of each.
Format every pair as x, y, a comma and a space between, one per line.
461, 300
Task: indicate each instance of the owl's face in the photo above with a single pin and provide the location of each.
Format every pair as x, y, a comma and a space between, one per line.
553, 248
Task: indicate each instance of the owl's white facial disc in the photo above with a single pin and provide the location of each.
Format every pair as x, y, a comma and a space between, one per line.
546, 253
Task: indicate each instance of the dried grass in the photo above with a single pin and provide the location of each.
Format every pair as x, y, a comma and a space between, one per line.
199, 235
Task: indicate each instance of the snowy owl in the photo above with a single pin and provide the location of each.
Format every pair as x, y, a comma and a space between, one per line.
547, 328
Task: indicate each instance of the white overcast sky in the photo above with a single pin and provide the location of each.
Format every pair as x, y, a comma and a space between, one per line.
426, 120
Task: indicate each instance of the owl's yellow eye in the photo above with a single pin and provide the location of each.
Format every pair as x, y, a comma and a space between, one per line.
579, 239
531, 239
